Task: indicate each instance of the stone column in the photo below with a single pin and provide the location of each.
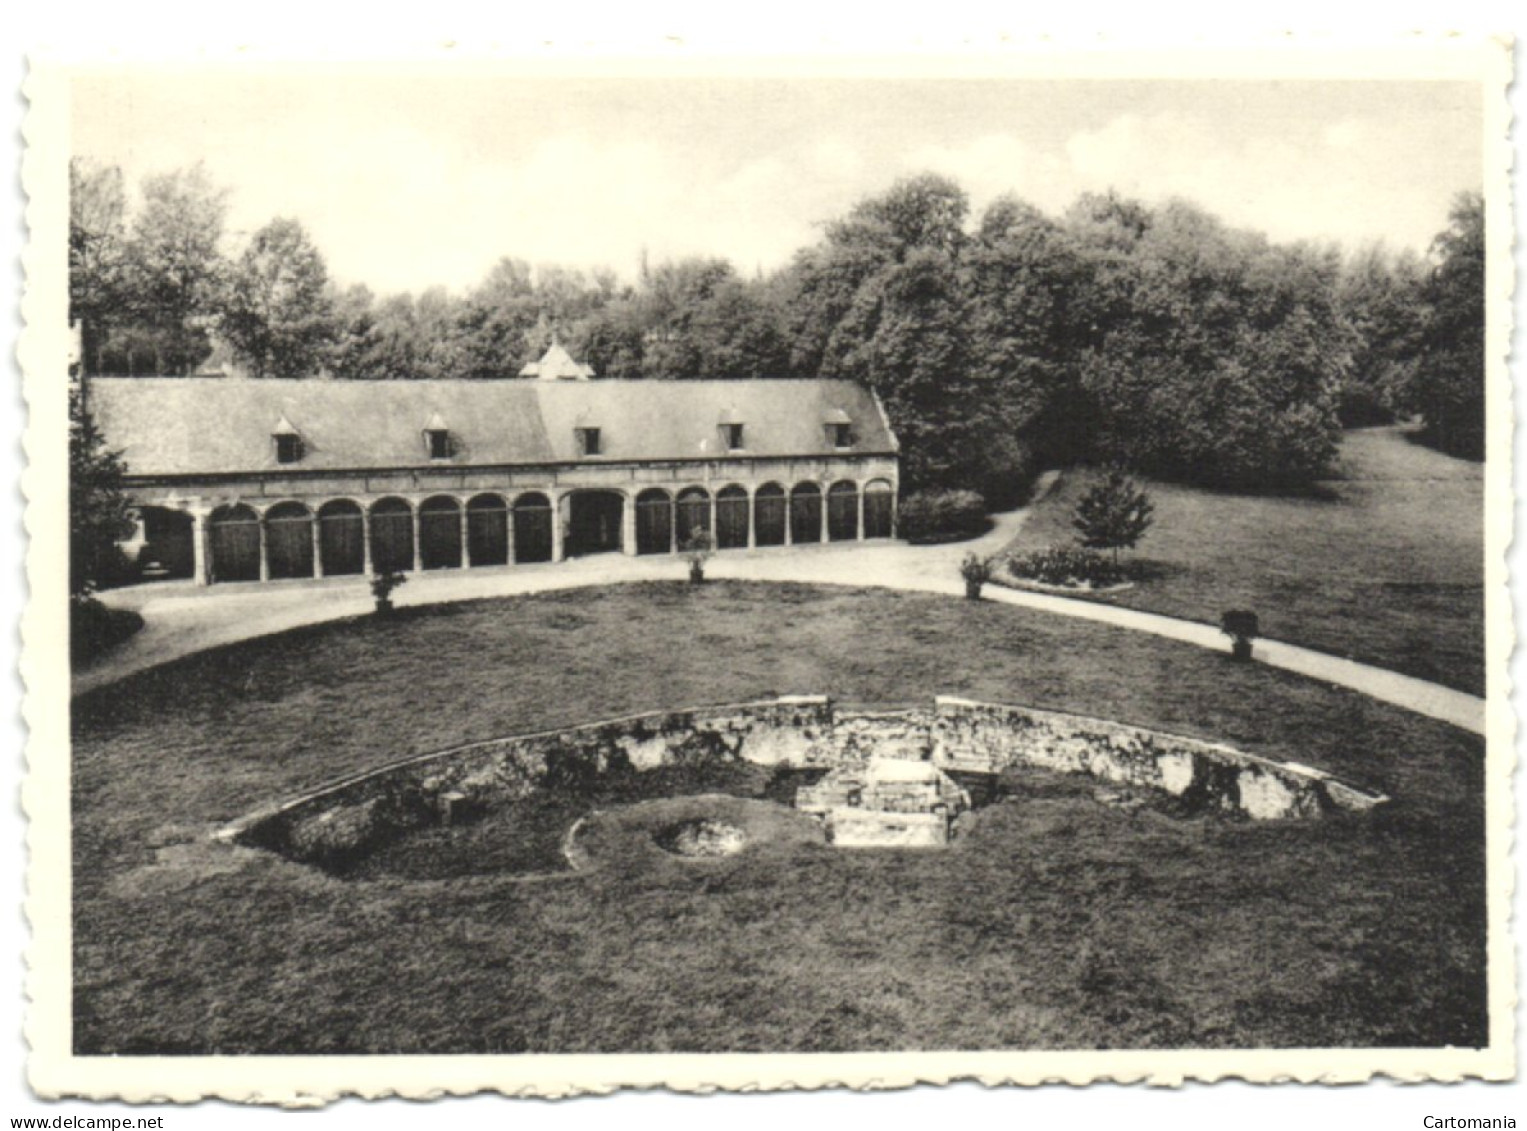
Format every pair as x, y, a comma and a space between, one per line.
264, 548
413, 512
825, 511
317, 547
752, 518
859, 487
200, 572
557, 499
789, 515
466, 543
508, 530
366, 541
628, 524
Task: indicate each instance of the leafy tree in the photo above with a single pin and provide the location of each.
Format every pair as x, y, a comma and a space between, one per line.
1205, 353
98, 510
882, 301
98, 292
176, 266
1449, 384
276, 313
1114, 514
1382, 302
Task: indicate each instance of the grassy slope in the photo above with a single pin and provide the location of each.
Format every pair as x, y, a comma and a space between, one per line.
1385, 565
1058, 922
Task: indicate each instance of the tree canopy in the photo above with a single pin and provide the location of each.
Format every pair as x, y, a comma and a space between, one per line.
1154, 336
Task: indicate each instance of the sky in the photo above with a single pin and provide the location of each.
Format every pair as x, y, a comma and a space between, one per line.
409, 182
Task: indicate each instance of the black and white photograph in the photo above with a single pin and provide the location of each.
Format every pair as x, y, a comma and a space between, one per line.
608, 575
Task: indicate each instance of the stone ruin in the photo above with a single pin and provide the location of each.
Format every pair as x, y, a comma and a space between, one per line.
883, 777
885, 802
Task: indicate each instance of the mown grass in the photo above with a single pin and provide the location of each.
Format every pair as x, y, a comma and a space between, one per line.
1384, 564
1058, 922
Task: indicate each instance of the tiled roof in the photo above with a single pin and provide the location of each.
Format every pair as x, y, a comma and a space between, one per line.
208, 426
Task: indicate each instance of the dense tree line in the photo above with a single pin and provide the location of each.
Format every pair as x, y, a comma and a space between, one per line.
1153, 337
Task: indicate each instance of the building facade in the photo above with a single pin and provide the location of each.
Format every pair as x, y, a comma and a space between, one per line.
255, 480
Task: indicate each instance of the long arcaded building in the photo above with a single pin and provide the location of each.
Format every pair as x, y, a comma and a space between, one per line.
251, 480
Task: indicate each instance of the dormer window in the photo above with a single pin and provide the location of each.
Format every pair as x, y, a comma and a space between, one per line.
288, 442
729, 424
437, 438
588, 441
840, 429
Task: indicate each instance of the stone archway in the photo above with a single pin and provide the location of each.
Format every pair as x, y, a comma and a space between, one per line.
594, 522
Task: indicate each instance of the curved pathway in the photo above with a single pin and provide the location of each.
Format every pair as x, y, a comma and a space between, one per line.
181, 618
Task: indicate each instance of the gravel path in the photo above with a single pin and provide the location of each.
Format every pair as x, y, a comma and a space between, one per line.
182, 618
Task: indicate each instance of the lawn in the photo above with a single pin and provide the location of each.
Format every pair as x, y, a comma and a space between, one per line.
1058, 922
1383, 564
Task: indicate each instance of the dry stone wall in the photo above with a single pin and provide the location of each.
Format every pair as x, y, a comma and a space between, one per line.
806, 731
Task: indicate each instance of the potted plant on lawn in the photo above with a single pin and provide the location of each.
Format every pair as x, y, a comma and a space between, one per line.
1241, 626
382, 586
697, 550
977, 572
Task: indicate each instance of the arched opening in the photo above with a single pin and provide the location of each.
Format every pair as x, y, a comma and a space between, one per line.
806, 513
341, 538
167, 551
692, 512
842, 512
487, 531
654, 522
769, 515
879, 509
233, 534
532, 528
594, 520
731, 518
289, 540
440, 533
392, 536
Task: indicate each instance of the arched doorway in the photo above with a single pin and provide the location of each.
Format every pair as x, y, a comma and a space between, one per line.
769, 515
289, 540
487, 531
233, 535
594, 522
692, 512
879, 511
731, 518
440, 533
341, 538
167, 551
806, 513
392, 536
532, 528
654, 522
842, 512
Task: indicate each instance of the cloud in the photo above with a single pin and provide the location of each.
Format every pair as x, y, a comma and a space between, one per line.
994, 165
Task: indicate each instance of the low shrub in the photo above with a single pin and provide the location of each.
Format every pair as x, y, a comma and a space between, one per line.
1071, 566
942, 516
95, 629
